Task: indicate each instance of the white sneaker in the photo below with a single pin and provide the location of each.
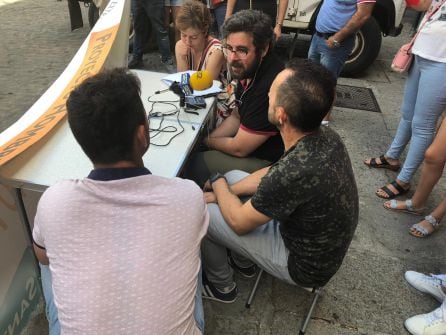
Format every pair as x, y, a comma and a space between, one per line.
432, 323
426, 283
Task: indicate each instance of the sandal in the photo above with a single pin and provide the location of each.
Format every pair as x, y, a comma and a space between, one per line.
392, 205
390, 194
418, 230
384, 164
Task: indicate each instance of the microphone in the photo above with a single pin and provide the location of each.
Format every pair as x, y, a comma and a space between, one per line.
201, 80
198, 81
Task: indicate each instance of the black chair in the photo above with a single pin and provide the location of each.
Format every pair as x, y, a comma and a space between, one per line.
316, 291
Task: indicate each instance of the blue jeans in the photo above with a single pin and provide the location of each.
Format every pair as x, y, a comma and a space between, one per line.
220, 13
333, 59
51, 309
423, 102
263, 246
154, 10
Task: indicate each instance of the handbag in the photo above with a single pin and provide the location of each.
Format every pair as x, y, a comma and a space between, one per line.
403, 58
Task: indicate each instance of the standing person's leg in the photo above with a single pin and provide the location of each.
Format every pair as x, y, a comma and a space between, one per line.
220, 13
50, 309
333, 59
314, 53
175, 10
434, 162
404, 130
140, 29
430, 222
430, 103
155, 11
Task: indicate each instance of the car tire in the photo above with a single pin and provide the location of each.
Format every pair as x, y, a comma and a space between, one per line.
367, 44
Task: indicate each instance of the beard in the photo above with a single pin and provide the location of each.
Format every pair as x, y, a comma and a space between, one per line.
238, 71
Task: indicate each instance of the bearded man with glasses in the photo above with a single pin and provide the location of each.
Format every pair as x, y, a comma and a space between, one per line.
246, 140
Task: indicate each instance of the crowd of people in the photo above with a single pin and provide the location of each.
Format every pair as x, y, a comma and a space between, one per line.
124, 251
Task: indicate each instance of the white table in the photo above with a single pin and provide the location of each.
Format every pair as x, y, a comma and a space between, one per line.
58, 155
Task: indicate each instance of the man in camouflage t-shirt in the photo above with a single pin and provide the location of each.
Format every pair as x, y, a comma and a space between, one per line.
303, 212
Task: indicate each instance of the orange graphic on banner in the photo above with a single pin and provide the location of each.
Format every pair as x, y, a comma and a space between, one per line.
98, 49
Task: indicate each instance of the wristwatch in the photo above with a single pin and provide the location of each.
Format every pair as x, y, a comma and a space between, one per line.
215, 177
336, 43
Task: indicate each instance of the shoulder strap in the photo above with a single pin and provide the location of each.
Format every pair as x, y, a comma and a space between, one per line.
190, 59
205, 52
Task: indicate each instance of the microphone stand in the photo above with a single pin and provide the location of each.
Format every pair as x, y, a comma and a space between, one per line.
176, 88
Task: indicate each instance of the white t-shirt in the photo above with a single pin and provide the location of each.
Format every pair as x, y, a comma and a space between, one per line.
124, 254
431, 40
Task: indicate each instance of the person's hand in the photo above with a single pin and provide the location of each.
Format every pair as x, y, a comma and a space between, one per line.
278, 31
209, 197
207, 186
332, 43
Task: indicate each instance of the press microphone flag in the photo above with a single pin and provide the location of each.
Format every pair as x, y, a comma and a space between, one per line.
185, 84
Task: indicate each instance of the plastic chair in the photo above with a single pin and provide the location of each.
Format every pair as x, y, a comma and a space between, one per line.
316, 291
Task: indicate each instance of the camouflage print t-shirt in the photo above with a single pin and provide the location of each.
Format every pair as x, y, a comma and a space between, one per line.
312, 192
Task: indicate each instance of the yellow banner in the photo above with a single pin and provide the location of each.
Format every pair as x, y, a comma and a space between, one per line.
98, 49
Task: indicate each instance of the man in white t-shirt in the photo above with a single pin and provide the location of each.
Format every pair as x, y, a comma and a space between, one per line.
123, 245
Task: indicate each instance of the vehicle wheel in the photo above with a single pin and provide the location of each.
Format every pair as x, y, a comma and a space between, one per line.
93, 14
367, 44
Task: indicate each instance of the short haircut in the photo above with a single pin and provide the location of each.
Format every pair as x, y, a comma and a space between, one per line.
254, 22
194, 14
104, 112
307, 94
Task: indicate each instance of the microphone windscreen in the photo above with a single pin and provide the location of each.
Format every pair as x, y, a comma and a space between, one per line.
201, 80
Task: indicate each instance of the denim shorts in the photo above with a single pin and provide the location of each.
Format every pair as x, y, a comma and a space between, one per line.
173, 2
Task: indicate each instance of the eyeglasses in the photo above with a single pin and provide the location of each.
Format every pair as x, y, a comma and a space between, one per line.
241, 52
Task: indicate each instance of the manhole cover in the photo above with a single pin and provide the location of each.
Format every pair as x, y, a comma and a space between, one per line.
355, 97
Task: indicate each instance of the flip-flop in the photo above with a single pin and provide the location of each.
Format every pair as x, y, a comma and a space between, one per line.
383, 165
392, 205
418, 230
390, 193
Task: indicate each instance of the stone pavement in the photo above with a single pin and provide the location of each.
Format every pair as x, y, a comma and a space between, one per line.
368, 295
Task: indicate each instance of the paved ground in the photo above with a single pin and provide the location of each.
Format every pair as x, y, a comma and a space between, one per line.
368, 295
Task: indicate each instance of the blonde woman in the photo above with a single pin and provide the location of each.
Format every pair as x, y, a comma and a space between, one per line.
196, 49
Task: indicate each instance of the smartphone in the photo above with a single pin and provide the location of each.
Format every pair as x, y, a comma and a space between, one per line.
195, 102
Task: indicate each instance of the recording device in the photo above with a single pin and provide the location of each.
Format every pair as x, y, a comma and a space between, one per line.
195, 102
